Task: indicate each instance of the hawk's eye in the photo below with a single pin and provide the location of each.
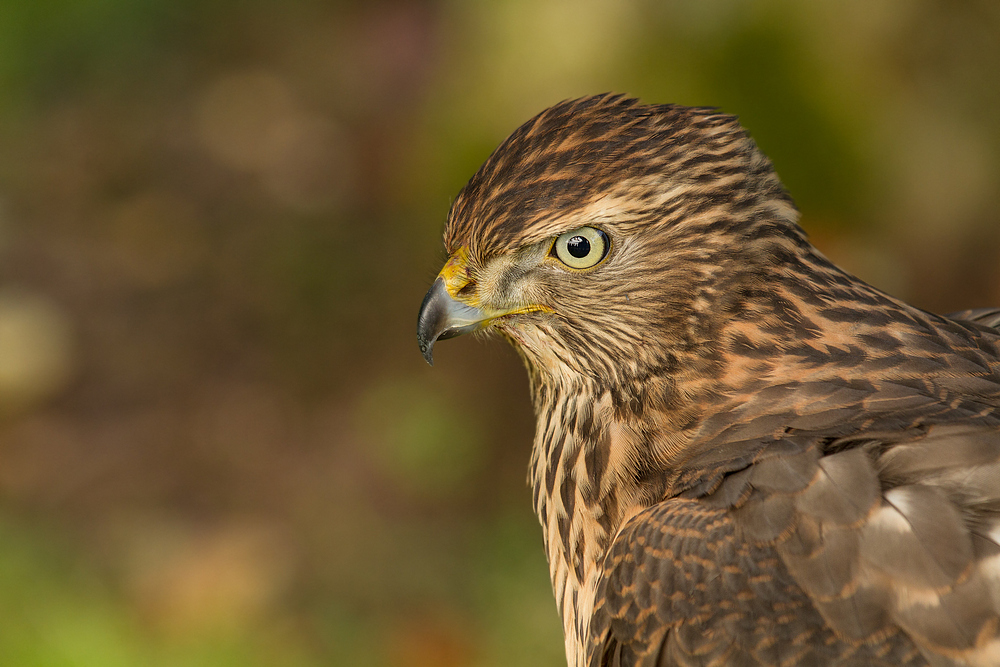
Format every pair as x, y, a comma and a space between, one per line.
582, 248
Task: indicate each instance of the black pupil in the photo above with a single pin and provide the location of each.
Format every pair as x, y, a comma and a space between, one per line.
578, 246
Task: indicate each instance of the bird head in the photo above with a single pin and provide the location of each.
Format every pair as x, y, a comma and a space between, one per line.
606, 237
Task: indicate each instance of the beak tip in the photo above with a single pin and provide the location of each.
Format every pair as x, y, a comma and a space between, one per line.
427, 350
441, 317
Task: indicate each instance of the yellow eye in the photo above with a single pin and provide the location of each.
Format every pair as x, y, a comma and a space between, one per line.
582, 248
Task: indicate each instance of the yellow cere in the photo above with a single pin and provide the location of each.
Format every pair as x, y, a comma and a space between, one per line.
455, 272
456, 276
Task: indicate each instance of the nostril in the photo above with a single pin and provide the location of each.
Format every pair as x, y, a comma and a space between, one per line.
467, 289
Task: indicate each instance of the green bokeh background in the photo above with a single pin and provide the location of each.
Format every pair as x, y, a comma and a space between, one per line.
219, 444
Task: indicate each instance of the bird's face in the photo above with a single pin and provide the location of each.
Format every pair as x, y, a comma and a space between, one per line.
527, 293
594, 236
579, 297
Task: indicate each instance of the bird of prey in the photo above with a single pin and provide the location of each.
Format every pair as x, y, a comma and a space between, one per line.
744, 455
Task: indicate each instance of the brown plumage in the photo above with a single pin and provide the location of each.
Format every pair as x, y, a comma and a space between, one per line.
744, 455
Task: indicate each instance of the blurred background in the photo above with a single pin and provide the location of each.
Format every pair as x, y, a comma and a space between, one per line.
219, 444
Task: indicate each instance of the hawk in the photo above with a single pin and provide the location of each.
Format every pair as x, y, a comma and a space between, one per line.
743, 455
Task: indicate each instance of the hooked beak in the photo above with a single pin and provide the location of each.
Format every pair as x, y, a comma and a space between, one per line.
446, 314
442, 316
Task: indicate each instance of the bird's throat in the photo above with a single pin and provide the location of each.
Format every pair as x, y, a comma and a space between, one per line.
597, 461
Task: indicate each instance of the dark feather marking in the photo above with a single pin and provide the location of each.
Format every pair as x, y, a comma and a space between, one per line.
555, 455
596, 459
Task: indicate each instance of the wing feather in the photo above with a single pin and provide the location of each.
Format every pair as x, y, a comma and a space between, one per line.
877, 548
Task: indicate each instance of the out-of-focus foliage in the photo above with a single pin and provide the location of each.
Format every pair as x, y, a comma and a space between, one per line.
218, 441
